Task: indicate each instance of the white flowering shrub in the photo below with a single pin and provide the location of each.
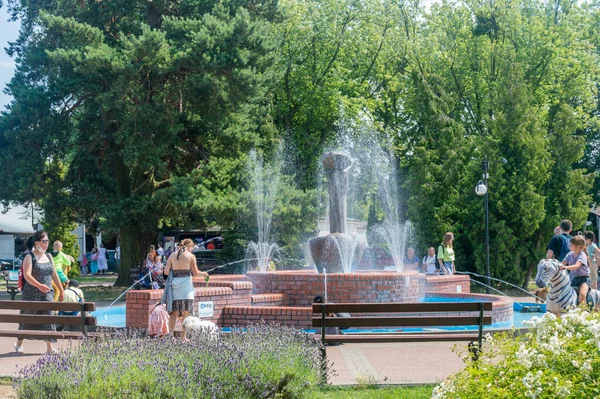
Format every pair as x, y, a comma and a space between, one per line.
558, 358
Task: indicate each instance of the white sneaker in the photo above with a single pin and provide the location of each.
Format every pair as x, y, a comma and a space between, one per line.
18, 348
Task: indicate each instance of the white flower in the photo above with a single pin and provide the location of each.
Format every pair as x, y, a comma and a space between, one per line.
562, 391
586, 366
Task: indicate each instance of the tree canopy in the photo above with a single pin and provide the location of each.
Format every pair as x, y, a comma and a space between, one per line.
140, 114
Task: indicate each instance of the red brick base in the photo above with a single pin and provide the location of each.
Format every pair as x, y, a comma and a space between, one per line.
285, 297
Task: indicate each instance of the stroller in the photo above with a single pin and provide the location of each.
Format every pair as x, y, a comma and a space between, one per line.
151, 277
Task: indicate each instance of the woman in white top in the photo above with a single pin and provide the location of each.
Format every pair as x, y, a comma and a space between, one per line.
102, 262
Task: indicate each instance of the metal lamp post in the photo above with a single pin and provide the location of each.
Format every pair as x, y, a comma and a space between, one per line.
482, 189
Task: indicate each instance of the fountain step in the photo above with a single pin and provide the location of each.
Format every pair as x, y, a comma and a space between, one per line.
269, 300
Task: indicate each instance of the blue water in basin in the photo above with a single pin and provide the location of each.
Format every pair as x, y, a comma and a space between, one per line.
115, 317
110, 317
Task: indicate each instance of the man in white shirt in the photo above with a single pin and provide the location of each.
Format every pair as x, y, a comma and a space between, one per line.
72, 294
430, 261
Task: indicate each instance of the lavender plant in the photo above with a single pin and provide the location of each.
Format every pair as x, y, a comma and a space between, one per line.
262, 361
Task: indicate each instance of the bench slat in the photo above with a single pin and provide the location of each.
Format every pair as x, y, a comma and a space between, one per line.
400, 321
38, 305
402, 338
30, 334
46, 319
402, 307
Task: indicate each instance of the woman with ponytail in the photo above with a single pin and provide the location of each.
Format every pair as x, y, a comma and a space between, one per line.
179, 289
39, 273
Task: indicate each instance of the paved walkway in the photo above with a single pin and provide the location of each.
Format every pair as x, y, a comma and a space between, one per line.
394, 363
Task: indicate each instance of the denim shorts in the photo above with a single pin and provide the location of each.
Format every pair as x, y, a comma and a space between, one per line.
448, 267
578, 281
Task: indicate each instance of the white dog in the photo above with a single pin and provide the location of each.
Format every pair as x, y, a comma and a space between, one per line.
197, 328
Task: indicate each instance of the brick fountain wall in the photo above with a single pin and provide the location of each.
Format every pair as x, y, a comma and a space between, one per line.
285, 296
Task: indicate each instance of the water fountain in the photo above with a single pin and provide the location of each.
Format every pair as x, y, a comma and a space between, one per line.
392, 230
285, 296
264, 182
338, 250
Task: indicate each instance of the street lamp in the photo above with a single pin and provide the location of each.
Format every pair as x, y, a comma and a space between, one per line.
482, 189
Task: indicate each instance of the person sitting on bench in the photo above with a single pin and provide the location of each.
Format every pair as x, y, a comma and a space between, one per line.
72, 294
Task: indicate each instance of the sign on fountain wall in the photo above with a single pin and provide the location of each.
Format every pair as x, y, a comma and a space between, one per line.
206, 309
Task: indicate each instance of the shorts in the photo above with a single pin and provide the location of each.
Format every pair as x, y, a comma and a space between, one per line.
183, 305
578, 281
448, 267
62, 276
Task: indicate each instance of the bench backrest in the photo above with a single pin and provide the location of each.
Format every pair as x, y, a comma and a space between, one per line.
433, 314
81, 319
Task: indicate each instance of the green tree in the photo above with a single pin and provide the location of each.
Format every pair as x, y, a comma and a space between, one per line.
504, 81
329, 51
118, 106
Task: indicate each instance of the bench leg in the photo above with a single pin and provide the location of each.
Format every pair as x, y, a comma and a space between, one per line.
474, 349
13, 294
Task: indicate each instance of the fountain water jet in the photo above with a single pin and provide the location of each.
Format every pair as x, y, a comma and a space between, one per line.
264, 184
336, 251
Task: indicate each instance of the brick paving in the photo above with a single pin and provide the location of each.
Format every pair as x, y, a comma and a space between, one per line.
394, 363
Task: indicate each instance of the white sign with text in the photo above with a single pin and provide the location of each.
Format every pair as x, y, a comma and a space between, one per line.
206, 309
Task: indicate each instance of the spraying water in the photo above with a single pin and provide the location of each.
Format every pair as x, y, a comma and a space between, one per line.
396, 233
264, 184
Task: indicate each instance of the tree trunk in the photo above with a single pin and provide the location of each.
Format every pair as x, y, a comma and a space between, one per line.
532, 264
134, 247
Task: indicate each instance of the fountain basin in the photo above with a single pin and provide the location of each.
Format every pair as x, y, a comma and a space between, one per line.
302, 287
285, 297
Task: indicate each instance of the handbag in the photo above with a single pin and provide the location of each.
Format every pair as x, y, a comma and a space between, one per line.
95, 256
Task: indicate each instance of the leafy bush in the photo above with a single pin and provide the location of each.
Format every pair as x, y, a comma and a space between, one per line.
558, 358
260, 362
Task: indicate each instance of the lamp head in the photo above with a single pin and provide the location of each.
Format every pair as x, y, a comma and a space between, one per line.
481, 188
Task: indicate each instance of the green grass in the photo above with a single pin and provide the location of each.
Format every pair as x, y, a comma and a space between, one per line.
96, 280
377, 392
99, 293
6, 381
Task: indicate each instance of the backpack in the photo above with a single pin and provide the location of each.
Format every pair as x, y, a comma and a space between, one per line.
564, 249
21, 281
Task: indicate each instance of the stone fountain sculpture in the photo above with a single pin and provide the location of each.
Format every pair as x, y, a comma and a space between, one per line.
337, 251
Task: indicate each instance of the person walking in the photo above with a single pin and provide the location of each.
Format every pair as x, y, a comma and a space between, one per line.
179, 289
429, 262
160, 251
94, 263
102, 261
61, 262
118, 256
445, 255
593, 257
558, 247
410, 261
39, 274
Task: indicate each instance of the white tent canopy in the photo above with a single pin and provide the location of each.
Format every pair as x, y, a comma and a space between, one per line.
17, 219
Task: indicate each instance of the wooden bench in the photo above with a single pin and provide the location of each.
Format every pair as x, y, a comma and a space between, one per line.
11, 278
403, 315
82, 319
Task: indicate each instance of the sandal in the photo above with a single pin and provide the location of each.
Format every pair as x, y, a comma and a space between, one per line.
54, 351
18, 348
